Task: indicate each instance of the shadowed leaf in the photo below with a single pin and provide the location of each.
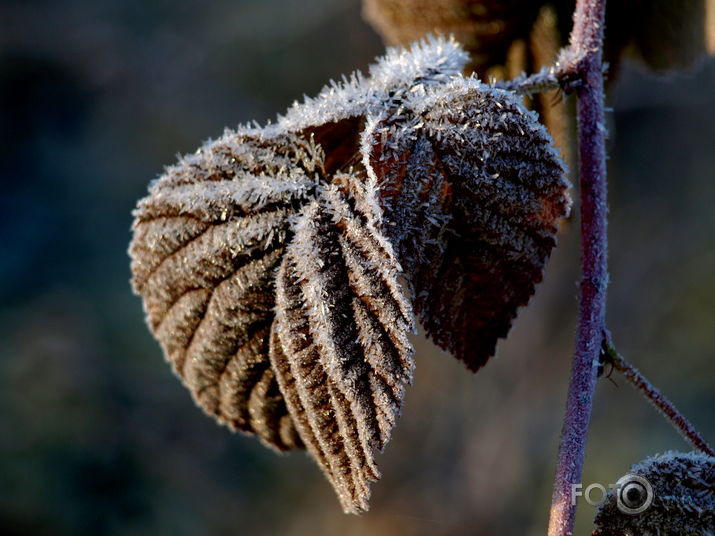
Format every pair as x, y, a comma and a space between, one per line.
476, 191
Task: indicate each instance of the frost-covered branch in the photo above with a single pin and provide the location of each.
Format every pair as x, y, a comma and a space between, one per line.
544, 80
655, 397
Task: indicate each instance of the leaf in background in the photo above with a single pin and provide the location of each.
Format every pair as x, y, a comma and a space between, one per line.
487, 29
499, 35
662, 34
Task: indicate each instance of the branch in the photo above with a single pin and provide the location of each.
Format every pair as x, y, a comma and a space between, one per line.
564, 74
655, 397
586, 43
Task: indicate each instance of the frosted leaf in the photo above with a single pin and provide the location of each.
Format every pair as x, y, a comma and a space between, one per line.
473, 191
207, 242
683, 498
270, 260
339, 346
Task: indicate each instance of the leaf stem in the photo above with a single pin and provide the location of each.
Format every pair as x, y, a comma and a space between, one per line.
655, 397
563, 74
546, 79
586, 44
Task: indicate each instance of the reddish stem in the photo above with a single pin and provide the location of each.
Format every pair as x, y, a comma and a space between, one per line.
586, 45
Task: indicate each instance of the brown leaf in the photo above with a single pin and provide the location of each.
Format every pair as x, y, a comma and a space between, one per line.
489, 190
207, 242
339, 345
486, 28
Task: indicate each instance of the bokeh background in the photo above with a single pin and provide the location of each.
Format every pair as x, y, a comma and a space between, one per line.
96, 434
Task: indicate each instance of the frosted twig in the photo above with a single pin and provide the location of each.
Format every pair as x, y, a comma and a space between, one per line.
544, 80
655, 397
564, 74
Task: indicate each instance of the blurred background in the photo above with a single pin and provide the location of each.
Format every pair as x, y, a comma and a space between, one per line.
96, 434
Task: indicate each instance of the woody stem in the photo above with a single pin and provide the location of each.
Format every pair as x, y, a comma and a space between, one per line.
586, 44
